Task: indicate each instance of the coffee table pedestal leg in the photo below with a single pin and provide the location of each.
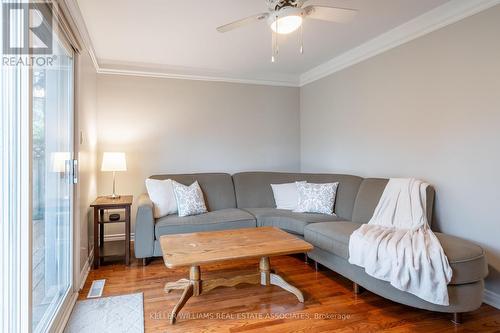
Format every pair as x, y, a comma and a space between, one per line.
194, 286
194, 278
277, 280
265, 271
270, 278
188, 292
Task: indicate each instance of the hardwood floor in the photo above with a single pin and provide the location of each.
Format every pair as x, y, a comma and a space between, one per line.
330, 304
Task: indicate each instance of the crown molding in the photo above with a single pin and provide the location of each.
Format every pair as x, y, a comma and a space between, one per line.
115, 69
444, 15
81, 27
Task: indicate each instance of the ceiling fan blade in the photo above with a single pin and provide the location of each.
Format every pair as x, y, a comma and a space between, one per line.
242, 22
332, 14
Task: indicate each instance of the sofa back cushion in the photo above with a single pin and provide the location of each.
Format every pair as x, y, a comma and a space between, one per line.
217, 188
369, 194
253, 189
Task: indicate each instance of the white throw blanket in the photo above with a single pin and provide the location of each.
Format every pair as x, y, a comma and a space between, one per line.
398, 246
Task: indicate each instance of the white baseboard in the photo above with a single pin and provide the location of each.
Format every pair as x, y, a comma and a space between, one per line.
84, 273
117, 237
491, 298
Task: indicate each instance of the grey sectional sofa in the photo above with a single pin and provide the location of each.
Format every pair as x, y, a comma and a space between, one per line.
246, 200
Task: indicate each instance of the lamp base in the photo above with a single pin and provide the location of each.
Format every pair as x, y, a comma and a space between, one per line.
114, 195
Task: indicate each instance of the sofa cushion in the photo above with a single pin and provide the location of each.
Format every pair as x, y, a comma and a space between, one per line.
332, 237
466, 259
217, 188
231, 218
253, 189
369, 194
286, 219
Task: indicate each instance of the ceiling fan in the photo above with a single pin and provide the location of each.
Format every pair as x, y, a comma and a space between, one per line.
286, 16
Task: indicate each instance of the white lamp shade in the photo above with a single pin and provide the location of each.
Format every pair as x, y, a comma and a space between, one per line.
113, 162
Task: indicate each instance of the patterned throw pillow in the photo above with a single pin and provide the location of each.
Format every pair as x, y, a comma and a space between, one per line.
316, 198
190, 199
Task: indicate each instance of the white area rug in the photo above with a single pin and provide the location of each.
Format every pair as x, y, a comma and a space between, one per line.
108, 314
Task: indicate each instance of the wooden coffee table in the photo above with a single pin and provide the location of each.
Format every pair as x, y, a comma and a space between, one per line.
201, 248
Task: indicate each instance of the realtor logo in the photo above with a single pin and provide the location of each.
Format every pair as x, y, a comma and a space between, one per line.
27, 28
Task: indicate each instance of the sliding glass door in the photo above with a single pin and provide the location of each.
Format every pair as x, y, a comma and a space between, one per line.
36, 167
52, 181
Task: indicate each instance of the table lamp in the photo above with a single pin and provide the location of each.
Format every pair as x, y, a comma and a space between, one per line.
113, 162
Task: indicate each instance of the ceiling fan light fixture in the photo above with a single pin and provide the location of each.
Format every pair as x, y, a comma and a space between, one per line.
286, 16
286, 24
285, 20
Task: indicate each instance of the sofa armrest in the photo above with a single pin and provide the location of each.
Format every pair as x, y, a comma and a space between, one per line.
144, 237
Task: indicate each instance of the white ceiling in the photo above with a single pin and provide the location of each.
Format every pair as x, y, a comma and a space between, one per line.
180, 36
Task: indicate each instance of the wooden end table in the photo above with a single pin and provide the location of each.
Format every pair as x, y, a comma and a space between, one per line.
200, 248
100, 205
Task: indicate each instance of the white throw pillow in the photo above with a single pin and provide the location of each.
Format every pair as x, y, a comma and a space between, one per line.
316, 198
190, 199
162, 195
286, 195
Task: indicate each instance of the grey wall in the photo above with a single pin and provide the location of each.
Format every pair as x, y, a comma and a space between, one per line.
179, 126
86, 148
429, 109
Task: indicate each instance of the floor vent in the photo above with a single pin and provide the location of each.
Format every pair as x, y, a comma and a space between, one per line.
96, 288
